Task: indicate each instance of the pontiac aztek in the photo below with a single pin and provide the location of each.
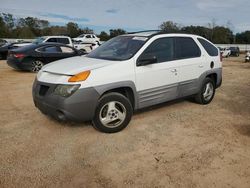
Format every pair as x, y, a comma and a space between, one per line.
127, 73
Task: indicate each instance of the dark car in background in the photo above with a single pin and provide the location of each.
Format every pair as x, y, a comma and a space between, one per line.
33, 57
5, 48
235, 51
2, 42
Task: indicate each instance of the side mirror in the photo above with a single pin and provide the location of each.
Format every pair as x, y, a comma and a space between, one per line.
146, 60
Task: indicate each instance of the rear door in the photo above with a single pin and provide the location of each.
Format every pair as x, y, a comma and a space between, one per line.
157, 82
191, 62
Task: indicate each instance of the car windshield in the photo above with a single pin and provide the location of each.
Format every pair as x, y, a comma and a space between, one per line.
119, 48
39, 40
80, 36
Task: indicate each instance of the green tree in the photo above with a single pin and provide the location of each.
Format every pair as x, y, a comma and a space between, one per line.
197, 30
243, 38
169, 27
3, 28
9, 20
104, 36
116, 32
73, 29
222, 35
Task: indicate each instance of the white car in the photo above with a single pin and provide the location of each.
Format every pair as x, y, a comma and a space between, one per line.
57, 39
225, 52
127, 73
86, 47
87, 38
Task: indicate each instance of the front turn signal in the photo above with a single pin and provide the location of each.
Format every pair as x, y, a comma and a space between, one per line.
82, 76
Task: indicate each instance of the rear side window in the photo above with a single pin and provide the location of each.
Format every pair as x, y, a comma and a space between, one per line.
63, 40
162, 49
52, 40
211, 49
185, 47
52, 49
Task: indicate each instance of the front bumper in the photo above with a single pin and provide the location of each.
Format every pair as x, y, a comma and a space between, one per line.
79, 107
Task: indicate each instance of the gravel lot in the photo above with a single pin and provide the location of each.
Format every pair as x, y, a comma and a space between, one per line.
178, 144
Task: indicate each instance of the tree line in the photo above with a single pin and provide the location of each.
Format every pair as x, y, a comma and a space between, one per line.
31, 27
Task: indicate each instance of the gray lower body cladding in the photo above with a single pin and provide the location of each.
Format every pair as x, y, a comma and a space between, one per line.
166, 93
79, 107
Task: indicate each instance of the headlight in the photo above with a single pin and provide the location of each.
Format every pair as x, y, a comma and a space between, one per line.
66, 90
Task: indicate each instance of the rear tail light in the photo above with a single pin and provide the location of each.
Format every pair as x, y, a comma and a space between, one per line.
19, 56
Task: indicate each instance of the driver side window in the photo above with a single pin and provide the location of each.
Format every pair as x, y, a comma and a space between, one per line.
162, 49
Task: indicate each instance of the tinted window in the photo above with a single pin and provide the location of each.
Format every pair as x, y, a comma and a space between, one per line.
185, 47
63, 40
162, 49
88, 36
52, 49
52, 40
211, 49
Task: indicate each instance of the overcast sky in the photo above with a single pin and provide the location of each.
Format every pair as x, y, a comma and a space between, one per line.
133, 15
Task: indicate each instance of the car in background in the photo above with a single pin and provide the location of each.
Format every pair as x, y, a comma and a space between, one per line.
87, 38
2, 42
5, 48
235, 51
225, 52
33, 57
55, 39
86, 47
247, 57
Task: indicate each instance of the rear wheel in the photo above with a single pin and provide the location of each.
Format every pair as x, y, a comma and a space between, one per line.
36, 65
206, 94
1, 56
113, 113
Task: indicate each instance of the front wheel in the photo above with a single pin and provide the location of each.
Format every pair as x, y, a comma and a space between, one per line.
206, 94
36, 65
113, 113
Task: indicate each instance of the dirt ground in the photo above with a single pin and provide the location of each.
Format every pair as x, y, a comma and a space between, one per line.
178, 144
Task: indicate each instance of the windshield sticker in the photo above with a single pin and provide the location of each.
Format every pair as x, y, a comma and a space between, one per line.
140, 38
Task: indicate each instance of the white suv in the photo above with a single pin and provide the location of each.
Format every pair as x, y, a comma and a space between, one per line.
127, 73
87, 38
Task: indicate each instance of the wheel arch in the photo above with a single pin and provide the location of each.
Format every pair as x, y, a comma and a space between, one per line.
126, 88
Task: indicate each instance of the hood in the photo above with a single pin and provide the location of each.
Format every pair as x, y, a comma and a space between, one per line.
75, 65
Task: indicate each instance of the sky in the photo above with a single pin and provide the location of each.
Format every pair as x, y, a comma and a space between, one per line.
133, 15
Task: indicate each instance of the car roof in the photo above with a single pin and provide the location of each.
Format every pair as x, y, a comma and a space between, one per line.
60, 36
34, 46
152, 33
52, 43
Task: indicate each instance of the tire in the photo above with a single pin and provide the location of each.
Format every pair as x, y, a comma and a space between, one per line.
36, 65
83, 50
206, 94
113, 113
1, 56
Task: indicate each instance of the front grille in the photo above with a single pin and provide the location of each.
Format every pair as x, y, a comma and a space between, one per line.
43, 90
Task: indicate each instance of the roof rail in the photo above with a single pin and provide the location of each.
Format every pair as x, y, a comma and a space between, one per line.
144, 31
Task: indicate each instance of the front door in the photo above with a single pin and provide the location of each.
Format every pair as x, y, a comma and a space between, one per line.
157, 82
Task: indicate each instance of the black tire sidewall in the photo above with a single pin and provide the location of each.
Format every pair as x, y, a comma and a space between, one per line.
104, 100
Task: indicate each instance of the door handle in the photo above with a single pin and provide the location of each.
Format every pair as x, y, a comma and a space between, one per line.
174, 70
201, 66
